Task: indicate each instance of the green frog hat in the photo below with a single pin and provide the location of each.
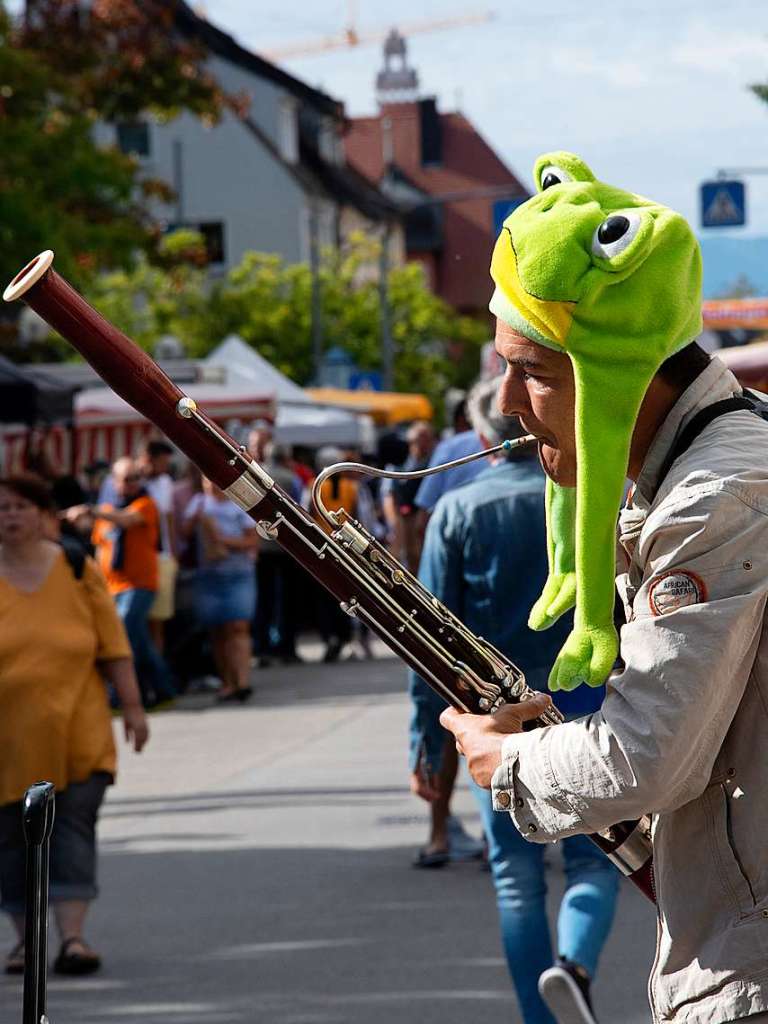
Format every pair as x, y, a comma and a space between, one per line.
614, 280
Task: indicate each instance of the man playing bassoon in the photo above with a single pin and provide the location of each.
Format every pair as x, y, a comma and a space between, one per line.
597, 303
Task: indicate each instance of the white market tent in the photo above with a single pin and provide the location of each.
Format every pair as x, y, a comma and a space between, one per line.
300, 419
107, 427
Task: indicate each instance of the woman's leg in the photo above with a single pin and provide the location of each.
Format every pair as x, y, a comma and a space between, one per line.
70, 917
587, 909
219, 642
440, 810
73, 857
517, 867
239, 653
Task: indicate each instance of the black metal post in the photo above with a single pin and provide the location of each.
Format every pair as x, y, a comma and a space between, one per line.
316, 294
38, 812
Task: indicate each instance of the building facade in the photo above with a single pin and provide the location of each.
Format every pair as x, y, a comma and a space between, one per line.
275, 181
453, 188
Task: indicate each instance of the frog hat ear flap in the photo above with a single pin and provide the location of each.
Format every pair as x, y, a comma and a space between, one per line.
614, 280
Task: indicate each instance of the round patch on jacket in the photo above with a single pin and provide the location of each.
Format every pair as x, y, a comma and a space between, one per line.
676, 589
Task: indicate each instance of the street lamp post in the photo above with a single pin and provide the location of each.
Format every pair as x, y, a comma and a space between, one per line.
387, 344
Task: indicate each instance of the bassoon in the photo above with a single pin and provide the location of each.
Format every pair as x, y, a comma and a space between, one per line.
368, 582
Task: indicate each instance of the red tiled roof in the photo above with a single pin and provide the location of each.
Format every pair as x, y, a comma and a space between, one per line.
468, 163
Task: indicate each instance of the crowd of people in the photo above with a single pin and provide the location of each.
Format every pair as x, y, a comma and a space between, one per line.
203, 598
152, 544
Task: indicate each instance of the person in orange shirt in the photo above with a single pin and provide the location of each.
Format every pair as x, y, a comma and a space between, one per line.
126, 539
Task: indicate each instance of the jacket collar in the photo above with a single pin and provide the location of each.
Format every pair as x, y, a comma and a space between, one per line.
712, 385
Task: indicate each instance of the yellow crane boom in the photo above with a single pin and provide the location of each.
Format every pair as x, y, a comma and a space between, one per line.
350, 37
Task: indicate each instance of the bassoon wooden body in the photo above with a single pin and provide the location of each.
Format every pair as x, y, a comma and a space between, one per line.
469, 673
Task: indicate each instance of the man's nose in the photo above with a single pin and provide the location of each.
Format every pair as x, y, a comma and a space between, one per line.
512, 397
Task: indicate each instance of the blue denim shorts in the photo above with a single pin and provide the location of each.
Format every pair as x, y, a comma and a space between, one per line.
225, 597
73, 846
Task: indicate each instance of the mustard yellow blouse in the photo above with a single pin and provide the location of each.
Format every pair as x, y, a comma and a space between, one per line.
55, 722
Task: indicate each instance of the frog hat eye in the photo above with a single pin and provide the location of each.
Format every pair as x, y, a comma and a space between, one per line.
615, 234
553, 175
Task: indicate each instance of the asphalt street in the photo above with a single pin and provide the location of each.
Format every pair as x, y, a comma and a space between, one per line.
256, 866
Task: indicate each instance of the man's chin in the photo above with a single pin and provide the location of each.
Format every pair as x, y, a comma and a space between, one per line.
552, 464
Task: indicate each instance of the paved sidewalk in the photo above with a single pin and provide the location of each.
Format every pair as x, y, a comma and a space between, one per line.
255, 866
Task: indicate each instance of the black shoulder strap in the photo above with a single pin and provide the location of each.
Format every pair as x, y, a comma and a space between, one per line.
701, 420
75, 555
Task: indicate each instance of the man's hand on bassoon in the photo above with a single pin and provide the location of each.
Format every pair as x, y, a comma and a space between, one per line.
479, 737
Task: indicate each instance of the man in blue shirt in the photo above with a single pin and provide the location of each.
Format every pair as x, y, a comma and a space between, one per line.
485, 557
432, 488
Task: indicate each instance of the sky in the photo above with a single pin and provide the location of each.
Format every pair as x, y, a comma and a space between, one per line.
653, 95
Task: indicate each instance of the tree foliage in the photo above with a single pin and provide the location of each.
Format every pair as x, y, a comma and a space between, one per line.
64, 68
268, 303
58, 190
123, 58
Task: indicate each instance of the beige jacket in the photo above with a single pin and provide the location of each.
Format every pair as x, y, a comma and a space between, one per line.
683, 731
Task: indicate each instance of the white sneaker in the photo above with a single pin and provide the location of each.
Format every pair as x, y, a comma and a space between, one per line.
565, 992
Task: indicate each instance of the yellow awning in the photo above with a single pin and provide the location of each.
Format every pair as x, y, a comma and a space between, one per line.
385, 407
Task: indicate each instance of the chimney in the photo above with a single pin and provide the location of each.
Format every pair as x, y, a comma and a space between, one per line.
431, 132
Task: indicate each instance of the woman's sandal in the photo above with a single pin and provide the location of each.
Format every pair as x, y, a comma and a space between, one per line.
431, 859
69, 962
14, 962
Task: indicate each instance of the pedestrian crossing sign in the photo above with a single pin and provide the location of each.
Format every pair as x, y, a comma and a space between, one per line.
723, 204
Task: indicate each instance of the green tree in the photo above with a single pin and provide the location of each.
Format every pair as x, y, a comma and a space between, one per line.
122, 58
57, 188
267, 302
62, 71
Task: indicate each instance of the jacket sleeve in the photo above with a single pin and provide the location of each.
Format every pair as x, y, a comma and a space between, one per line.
688, 651
440, 570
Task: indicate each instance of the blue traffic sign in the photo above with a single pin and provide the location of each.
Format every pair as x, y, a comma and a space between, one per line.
365, 380
502, 209
723, 204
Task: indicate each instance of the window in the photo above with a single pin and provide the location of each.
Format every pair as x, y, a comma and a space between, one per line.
213, 235
288, 130
133, 137
329, 142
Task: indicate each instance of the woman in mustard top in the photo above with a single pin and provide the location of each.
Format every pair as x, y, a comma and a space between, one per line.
60, 639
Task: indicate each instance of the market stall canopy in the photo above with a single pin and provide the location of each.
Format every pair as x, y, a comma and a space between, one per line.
32, 397
749, 364
735, 314
386, 407
301, 419
219, 401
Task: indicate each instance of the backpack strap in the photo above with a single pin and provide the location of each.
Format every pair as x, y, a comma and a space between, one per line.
74, 554
700, 421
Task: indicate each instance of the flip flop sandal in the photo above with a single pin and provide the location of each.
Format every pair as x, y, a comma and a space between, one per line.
14, 962
75, 963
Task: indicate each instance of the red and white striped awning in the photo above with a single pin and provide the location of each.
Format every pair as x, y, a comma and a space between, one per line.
106, 427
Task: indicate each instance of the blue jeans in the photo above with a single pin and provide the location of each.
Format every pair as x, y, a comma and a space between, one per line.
133, 607
586, 911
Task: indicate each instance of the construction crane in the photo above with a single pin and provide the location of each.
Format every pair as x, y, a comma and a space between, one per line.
350, 37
